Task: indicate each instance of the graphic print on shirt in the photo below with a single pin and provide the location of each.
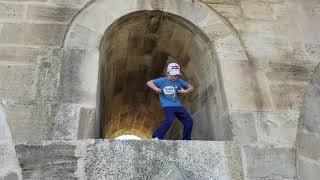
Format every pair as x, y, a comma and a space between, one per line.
170, 92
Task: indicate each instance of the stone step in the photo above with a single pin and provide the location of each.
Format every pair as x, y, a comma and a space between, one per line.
130, 159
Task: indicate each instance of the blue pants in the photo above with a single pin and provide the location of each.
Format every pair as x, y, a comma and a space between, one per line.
169, 115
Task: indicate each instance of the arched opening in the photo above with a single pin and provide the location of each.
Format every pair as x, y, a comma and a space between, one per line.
137, 48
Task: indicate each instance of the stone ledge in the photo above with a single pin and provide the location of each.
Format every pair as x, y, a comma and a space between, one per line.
129, 159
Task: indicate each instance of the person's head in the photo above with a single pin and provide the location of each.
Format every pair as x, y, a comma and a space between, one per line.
173, 71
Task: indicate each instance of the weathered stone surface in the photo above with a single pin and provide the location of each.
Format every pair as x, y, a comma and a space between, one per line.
170, 171
102, 19
49, 13
265, 47
89, 126
9, 167
22, 55
26, 0
308, 145
310, 112
240, 86
83, 38
33, 34
277, 129
244, 127
308, 169
229, 48
69, 3
66, 122
30, 122
99, 159
17, 82
79, 76
217, 30
57, 161
10, 176
287, 97
145, 159
227, 10
11, 11
257, 10
231, 2
288, 72
271, 163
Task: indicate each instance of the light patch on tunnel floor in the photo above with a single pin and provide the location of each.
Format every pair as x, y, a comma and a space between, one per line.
127, 137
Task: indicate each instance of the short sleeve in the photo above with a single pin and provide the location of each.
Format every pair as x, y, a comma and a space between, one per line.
184, 84
157, 82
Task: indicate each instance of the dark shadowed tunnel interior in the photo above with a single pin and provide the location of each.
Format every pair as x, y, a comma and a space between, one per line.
137, 48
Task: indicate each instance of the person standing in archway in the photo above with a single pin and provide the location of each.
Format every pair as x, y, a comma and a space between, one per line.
169, 89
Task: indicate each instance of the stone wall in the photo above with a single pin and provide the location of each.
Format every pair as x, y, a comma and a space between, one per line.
281, 62
112, 159
283, 48
267, 51
31, 34
308, 164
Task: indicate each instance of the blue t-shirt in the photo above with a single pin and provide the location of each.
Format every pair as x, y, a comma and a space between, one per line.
169, 95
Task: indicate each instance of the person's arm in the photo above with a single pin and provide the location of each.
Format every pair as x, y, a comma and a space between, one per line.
151, 85
186, 91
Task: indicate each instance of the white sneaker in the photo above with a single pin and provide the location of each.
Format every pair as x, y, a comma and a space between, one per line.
155, 138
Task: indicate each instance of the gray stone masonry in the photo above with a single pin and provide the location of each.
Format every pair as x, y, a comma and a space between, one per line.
130, 159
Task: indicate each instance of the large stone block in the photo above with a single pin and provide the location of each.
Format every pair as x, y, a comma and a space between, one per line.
53, 161
230, 2
66, 122
277, 129
26, 0
17, 82
33, 34
101, 159
102, 18
83, 38
261, 28
146, 159
267, 47
313, 50
8, 159
89, 127
22, 55
310, 113
229, 48
288, 72
50, 13
49, 78
69, 3
244, 127
79, 76
287, 97
227, 10
273, 163
217, 30
308, 145
241, 89
257, 10
30, 122
11, 11
10, 176
307, 169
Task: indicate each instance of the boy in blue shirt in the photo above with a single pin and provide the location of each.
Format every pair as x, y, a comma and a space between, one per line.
169, 89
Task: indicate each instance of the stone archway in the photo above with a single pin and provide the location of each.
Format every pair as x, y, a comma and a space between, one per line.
136, 48
79, 75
